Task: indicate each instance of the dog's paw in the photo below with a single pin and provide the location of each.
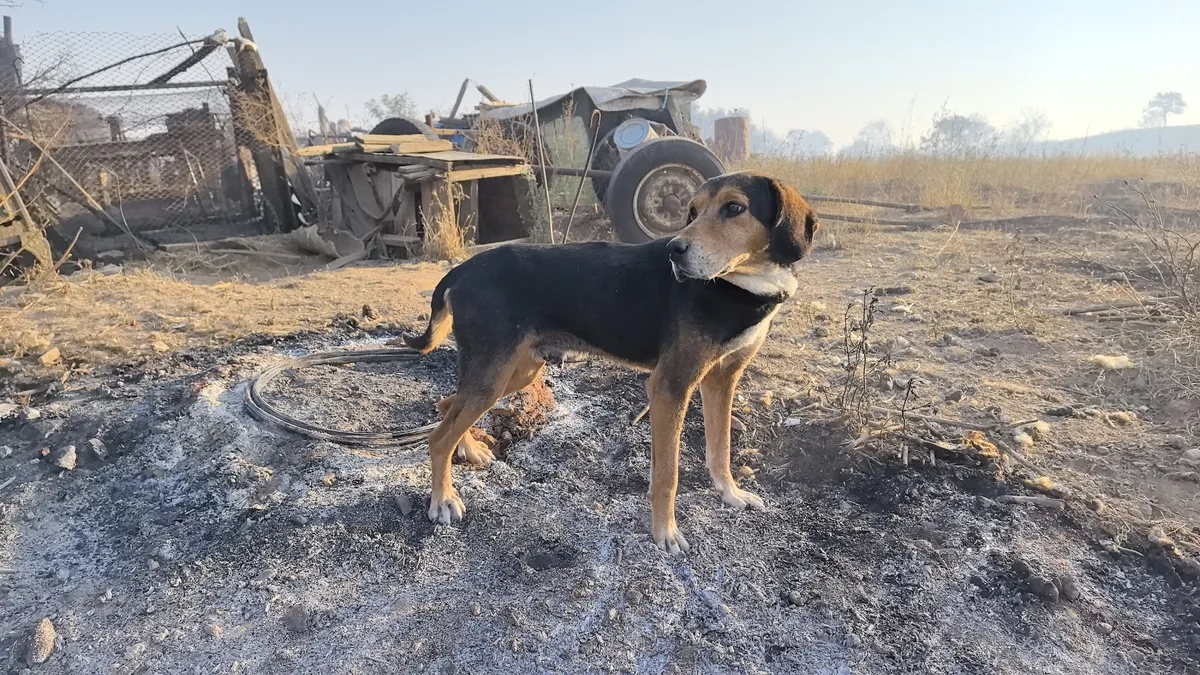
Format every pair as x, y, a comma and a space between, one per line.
671, 540
446, 509
474, 451
742, 499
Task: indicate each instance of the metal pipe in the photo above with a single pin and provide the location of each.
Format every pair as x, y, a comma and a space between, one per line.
126, 87
568, 171
537, 134
596, 116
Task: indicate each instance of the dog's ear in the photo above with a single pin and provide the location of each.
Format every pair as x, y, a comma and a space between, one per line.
794, 227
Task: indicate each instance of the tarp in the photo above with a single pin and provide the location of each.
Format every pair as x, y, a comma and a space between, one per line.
628, 95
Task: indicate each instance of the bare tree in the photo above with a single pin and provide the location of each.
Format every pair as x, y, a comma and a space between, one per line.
392, 105
953, 134
1031, 127
875, 138
1163, 105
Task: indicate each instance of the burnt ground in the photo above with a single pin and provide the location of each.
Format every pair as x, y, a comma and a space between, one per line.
205, 542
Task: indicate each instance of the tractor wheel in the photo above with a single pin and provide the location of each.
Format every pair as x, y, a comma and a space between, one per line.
649, 191
607, 157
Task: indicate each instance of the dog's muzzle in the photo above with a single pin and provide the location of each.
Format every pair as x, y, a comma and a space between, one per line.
677, 250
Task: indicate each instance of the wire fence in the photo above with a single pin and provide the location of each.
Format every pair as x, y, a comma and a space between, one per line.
141, 122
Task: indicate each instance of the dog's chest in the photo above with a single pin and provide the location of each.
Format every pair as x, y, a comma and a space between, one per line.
749, 336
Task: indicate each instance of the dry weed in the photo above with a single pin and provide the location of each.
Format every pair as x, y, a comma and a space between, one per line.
444, 237
1050, 184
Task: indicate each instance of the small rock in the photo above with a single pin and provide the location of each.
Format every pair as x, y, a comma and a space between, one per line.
1095, 504
160, 346
63, 575
796, 598
8, 410
329, 479
50, 358
1068, 589
1044, 588
1175, 442
476, 610
109, 270
746, 472
633, 596
297, 620
853, 640
1061, 411
67, 458
821, 332
41, 643
32, 414
135, 650
213, 630
990, 278
1191, 456
153, 564
767, 398
989, 352
1021, 569
1104, 628
404, 504
612, 614
98, 448
298, 519
737, 425
5, 452
112, 254
954, 395
368, 312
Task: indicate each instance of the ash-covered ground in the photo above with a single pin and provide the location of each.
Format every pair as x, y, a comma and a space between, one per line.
190, 538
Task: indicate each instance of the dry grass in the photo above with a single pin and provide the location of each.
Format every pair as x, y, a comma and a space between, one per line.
101, 319
1058, 184
445, 238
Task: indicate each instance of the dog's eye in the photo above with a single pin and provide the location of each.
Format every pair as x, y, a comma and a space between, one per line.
733, 208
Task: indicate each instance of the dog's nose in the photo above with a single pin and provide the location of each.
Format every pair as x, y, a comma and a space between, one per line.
677, 247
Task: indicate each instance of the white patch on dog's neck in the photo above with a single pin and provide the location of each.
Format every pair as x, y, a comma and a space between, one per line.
766, 280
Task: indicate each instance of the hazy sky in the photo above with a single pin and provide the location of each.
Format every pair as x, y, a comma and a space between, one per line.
1090, 65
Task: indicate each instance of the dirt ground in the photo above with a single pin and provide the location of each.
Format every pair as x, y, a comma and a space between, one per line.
189, 538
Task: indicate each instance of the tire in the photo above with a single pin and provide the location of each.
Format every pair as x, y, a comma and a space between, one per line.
403, 126
649, 191
607, 157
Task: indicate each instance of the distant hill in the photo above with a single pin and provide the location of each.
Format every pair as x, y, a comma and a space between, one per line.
1136, 142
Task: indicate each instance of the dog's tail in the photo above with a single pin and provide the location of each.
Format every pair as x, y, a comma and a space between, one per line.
440, 321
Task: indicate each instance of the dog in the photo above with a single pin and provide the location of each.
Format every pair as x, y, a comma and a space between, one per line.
693, 310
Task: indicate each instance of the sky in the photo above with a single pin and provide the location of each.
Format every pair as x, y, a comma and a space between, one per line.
1089, 65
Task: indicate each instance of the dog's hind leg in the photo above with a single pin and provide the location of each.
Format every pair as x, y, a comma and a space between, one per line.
476, 451
716, 395
483, 380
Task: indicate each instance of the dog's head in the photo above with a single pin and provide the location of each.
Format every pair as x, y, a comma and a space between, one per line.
747, 228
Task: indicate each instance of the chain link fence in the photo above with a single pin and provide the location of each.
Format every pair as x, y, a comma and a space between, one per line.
141, 122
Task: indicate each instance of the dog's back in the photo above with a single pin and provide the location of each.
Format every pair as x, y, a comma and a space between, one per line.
608, 297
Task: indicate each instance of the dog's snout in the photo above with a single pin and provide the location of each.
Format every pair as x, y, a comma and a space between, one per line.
677, 247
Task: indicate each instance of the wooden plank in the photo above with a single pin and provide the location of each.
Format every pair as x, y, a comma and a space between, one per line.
347, 259
480, 248
387, 139
464, 175
326, 149
409, 147
399, 240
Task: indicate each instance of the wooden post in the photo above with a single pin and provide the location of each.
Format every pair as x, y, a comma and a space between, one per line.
32, 239
274, 161
732, 139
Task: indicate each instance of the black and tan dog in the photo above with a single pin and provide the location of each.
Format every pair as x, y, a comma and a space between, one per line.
693, 310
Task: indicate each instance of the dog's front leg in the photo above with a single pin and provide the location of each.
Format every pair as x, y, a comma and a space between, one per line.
716, 393
669, 391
